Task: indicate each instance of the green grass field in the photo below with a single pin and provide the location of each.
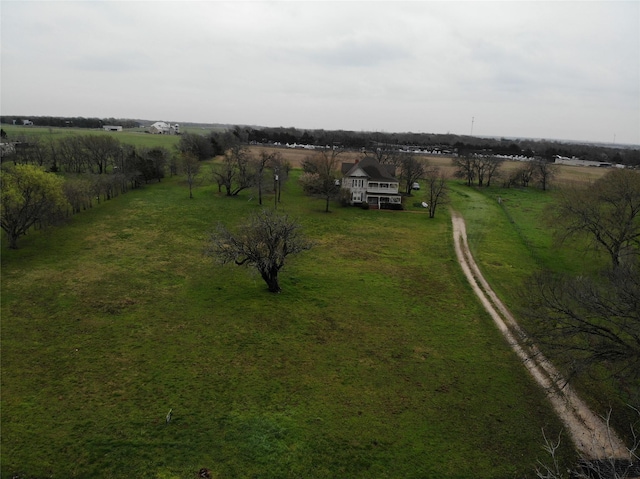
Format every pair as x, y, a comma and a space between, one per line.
136, 137
376, 360
511, 238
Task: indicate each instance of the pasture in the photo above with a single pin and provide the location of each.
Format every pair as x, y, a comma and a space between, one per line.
375, 361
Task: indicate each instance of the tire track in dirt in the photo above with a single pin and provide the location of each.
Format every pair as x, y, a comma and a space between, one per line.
590, 433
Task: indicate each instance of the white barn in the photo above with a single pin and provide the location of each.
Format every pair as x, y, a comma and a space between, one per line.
164, 128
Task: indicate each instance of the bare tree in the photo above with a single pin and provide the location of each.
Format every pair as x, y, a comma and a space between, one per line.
263, 242
281, 169
437, 189
465, 168
523, 175
544, 172
321, 177
191, 168
412, 169
487, 167
385, 153
71, 154
235, 172
264, 161
590, 468
589, 321
100, 151
607, 213
197, 145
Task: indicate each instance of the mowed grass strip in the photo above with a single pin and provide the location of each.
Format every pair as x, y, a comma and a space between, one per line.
376, 360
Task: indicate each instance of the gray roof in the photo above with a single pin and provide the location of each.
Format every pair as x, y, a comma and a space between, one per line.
373, 169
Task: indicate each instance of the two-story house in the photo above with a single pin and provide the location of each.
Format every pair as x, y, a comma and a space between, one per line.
370, 182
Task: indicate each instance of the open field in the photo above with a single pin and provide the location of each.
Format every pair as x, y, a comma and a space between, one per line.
135, 137
375, 361
138, 137
566, 173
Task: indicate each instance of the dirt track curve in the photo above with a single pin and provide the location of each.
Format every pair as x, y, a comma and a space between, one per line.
589, 432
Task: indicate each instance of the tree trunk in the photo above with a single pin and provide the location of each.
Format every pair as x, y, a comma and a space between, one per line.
271, 278
13, 240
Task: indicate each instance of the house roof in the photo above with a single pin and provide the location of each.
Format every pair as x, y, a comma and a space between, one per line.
373, 169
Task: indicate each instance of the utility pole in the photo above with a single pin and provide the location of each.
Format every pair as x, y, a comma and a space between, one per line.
472, 120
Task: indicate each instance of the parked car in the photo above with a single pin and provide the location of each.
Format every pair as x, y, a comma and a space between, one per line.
415, 186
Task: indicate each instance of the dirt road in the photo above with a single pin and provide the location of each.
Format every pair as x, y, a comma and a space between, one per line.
589, 432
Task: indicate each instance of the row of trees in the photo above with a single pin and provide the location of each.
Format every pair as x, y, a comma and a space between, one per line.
44, 180
483, 169
460, 144
592, 321
89, 168
76, 121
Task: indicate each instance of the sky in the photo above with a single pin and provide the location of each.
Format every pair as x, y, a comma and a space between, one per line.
554, 70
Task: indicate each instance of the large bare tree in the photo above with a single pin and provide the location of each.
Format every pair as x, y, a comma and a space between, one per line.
607, 213
264, 242
589, 321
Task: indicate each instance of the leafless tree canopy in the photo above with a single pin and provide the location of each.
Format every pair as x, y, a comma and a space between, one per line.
236, 171
263, 242
607, 213
321, 177
437, 190
590, 321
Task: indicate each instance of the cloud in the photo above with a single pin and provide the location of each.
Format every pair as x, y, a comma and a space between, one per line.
422, 66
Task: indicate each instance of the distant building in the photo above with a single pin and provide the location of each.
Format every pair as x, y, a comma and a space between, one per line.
573, 161
164, 128
27, 122
111, 128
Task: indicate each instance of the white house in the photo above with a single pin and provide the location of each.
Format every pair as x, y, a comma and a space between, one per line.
372, 183
111, 128
164, 128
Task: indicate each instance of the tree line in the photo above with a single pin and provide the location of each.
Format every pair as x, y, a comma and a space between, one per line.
45, 179
68, 122
445, 143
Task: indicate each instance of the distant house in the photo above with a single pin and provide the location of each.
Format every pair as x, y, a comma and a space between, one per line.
164, 128
111, 128
372, 183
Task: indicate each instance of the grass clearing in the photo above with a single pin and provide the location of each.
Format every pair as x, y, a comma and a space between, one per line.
375, 361
511, 239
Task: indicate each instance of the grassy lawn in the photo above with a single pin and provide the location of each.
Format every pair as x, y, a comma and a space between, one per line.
511, 238
376, 360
